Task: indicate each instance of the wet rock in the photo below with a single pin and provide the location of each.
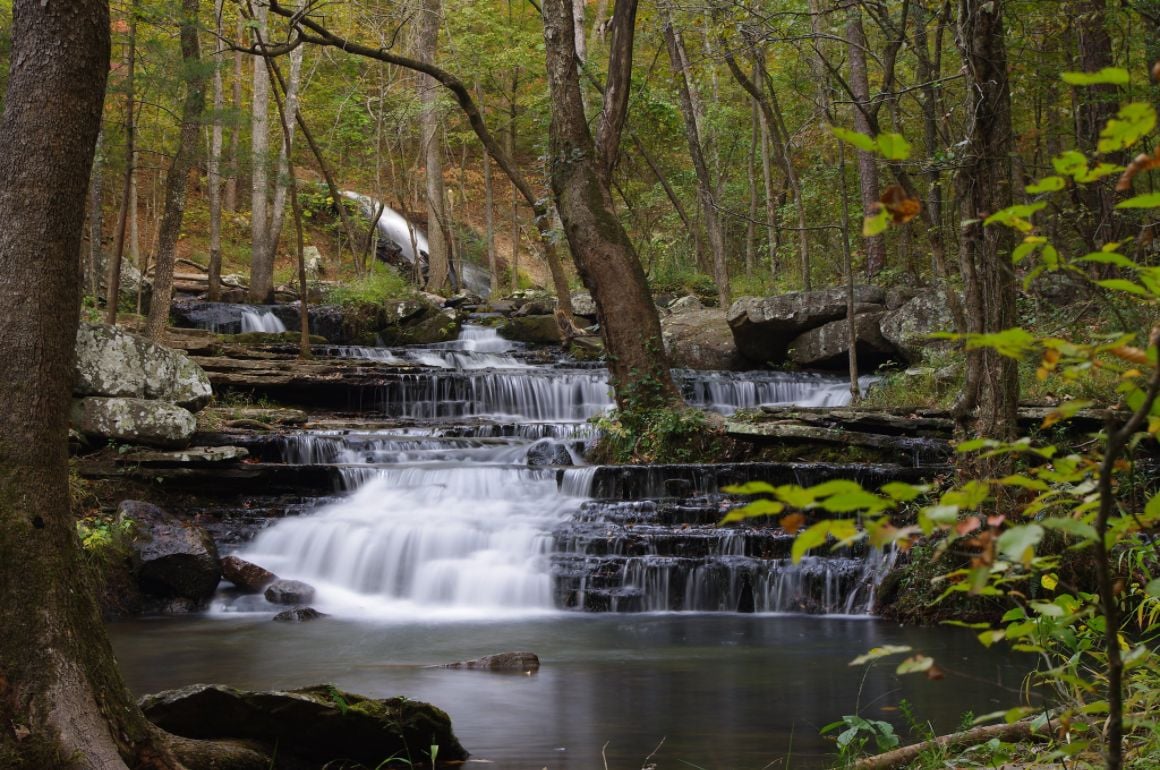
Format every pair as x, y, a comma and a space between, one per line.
701, 339
134, 420
430, 327
173, 559
584, 305
588, 348
536, 307
299, 615
828, 346
534, 328
316, 724
686, 304
764, 327
548, 452
246, 576
112, 362
909, 327
193, 456
289, 592
525, 662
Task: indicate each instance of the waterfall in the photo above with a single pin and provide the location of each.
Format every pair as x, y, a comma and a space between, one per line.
258, 320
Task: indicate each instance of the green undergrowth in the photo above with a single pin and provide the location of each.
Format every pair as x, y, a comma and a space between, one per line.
380, 285
661, 435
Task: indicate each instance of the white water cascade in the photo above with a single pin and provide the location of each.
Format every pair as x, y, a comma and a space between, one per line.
258, 320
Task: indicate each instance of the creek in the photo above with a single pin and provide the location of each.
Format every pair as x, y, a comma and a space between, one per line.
463, 522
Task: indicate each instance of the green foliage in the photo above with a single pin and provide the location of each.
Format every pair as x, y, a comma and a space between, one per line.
382, 284
105, 539
858, 733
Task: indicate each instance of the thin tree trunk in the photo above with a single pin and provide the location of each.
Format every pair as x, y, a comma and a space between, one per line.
510, 139
235, 152
175, 181
751, 178
848, 274
1096, 104
285, 172
113, 280
261, 255
705, 192
488, 208
136, 256
96, 259
214, 288
426, 43
857, 45
772, 233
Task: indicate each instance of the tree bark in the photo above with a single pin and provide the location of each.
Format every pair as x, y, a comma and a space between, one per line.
261, 256
426, 41
214, 279
1096, 104
175, 180
607, 262
705, 190
988, 404
488, 208
285, 172
867, 162
113, 279
751, 179
235, 152
62, 701
96, 259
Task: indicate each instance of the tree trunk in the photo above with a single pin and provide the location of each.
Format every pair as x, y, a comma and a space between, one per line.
261, 255
1096, 104
113, 279
867, 161
62, 701
988, 405
285, 174
175, 181
705, 194
235, 153
751, 179
488, 208
608, 264
214, 166
96, 200
772, 233
510, 140
426, 42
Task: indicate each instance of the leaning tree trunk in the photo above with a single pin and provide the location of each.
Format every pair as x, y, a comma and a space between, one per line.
285, 173
604, 256
426, 41
62, 701
175, 180
988, 404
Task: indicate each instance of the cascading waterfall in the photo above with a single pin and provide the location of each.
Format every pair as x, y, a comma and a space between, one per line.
484, 508
257, 320
231, 318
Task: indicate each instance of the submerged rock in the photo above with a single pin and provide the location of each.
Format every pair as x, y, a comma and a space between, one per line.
173, 559
112, 362
299, 615
526, 662
314, 724
289, 592
247, 577
764, 327
700, 339
134, 421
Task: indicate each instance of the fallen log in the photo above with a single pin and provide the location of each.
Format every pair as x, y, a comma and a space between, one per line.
1017, 731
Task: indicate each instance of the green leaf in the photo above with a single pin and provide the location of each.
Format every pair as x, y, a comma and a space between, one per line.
753, 509
893, 146
1071, 163
1121, 284
876, 224
1146, 201
835, 487
901, 491
1046, 185
1108, 76
859, 140
1152, 508
749, 488
1099, 172
1023, 250
1132, 123
1018, 543
879, 652
809, 538
1073, 527
1153, 588
1108, 258
915, 664
848, 502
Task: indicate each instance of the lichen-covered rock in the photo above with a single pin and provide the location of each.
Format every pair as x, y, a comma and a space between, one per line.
541, 329
134, 421
686, 304
909, 327
524, 662
548, 452
764, 327
315, 725
584, 305
289, 592
112, 362
173, 559
246, 576
828, 346
425, 328
701, 339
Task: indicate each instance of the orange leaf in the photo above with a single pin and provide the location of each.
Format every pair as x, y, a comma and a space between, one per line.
1131, 354
902, 208
968, 525
792, 523
934, 673
1143, 162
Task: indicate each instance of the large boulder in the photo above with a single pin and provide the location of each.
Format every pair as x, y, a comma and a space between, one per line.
429, 326
522, 662
828, 346
764, 327
909, 327
315, 724
134, 421
541, 329
701, 339
112, 362
246, 576
583, 305
289, 592
173, 559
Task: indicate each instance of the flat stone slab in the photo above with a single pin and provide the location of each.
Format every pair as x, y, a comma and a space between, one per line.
192, 456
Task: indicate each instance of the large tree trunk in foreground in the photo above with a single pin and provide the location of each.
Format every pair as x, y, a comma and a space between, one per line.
62, 702
988, 404
175, 181
604, 255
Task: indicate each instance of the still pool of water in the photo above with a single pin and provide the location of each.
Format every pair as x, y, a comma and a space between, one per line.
723, 692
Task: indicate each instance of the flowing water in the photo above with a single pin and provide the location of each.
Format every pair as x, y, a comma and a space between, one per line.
473, 527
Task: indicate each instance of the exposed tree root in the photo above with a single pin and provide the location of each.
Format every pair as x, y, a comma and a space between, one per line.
1019, 731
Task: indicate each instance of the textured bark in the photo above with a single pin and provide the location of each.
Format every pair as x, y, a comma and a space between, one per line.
261, 257
705, 190
235, 152
605, 258
215, 164
1096, 104
867, 161
96, 260
488, 208
285, 173
175, 181
427, 21
62, 702
990, 397
113, 279
751, 179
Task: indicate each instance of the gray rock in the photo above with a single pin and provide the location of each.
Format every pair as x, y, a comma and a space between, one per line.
541, 329
289, 592
172, 559
536, 307
584, 305
897, 296
701, 339
205, 455
299, 615
525, 662
765, 327
134, 420
112, 362
909, 327
548, 452
686, 304
315, 725
828, 346
246, 576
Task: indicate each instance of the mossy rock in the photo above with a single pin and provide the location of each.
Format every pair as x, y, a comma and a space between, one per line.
314, 724
541, 329
427, 329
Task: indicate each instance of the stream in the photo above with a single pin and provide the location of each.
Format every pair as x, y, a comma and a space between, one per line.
463, 523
